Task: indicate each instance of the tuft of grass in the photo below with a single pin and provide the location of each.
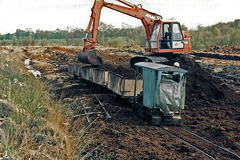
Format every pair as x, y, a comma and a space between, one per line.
119, 42
32, 125
27, 102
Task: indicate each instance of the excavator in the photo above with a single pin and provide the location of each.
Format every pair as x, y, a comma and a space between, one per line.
164, 37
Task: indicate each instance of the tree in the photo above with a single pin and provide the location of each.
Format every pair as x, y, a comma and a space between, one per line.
8, 36
14, 40
4, 42
20, 41
26, 41
237, 23
184, 27
19, 33
44, 42
235, 38
216, 32
31, 40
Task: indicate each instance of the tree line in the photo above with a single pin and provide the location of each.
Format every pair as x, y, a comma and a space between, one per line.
107, 35
219, 34
201, 38
70, 36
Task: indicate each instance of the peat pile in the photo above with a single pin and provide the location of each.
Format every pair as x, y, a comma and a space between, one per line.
202, 88
119, 64
62, 55
212, 109
126, 72
224, 49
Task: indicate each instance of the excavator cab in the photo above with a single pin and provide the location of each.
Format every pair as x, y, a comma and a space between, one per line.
171, 36
166, 37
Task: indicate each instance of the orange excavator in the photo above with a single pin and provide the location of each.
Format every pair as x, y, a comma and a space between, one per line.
164, 37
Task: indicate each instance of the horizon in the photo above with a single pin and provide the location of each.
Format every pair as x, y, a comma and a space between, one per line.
72, 27
58, 14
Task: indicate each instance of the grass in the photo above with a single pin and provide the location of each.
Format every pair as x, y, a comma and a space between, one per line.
32, 125
27, 101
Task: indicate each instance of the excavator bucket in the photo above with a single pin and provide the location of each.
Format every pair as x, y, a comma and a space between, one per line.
90, 57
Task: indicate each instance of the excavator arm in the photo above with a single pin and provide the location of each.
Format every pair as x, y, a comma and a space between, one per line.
148, 19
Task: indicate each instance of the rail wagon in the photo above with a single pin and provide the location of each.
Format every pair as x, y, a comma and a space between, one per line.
158, 97
163, 95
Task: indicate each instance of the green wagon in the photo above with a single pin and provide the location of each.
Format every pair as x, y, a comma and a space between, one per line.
163, 95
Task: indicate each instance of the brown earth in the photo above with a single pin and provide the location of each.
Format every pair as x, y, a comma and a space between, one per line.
119, 64
212, 108
232, 50
212, 111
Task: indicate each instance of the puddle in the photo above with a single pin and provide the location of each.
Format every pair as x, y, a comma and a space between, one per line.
36, 73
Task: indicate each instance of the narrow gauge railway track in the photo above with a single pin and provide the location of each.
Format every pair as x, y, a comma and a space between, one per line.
91, 107
206, 147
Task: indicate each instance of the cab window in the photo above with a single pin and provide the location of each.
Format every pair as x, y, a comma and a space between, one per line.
165, 40
177, 35
177, 38
155, 32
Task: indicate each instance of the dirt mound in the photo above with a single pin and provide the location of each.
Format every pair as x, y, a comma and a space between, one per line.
224, 49
62, 49
121, 70
60, 54
119, 64
202, 88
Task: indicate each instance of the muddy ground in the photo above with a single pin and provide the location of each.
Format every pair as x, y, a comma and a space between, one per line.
226, 50
212, 108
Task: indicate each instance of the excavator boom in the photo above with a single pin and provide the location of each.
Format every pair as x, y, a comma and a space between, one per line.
145, 16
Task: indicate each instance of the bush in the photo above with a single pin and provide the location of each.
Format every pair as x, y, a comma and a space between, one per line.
44, 42
4, 42
119, 42
14, 41
33, 126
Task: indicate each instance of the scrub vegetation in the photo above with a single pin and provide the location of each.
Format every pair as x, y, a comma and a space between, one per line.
201, 38
219, 34
32, 125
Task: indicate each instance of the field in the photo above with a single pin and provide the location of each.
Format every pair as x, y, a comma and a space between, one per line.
212, 105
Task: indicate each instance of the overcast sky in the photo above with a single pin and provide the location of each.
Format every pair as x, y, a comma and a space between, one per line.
53, 14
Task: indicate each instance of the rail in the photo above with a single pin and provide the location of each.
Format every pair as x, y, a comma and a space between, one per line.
86, 111
211, 142
197, 147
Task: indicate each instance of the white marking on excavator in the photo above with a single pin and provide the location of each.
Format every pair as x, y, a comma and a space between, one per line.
150, 16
